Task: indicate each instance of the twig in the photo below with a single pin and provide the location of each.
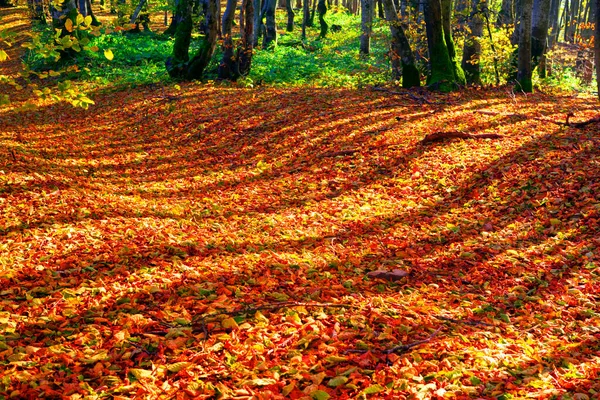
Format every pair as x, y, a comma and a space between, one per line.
401, 348
404, 347
275, 306
348, 152
462, 321
439, 136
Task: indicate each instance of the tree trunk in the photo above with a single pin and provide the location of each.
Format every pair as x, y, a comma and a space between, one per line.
573, 19
179, 65
539, 32
270, 38
227, 66
459, 74
234, 65
290, 16
524, 61
472, 50
258, 22
401, 55
322, 10
440, 65
305, 17
597, 46
175, 19
366, 23
380, 12
444, 74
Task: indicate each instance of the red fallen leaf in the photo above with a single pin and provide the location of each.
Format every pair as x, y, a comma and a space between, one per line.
392, 276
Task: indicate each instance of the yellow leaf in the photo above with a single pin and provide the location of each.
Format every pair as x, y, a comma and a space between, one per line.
109, 54
178, 366
88, 20
79, 19
229, 323
69, 25
3, 56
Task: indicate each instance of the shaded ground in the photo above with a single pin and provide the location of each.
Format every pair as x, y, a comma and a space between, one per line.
146, 243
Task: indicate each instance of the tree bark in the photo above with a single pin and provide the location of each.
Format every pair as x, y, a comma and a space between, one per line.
366, 24
175, 19
597, 46
290, 16
271, 30
322, 10
258, 22
236, 64
539, 33
179, 65
524, 81
305, 17
227, 66
401, 55
459, 74
472, 50
445, 74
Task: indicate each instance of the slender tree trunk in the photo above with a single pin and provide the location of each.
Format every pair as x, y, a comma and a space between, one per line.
597, 46
366, 23
573, 19
290, 16
322, 10
227, 66
271, 30
258, 22
472, 50
401, 55
311, 20
380, 12
524, 73
305, 17
539, 32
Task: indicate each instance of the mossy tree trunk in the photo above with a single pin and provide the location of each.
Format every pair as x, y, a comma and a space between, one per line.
524, 72
472, 50
321, 11
180, 65
236, 64
539, 33
401, 55
457, 71
366, 25
442, 73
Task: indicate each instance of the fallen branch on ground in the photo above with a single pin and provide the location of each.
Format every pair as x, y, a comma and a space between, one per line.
348, 152
439, 136
463, 321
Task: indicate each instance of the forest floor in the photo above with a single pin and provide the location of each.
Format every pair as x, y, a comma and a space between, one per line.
215, 241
